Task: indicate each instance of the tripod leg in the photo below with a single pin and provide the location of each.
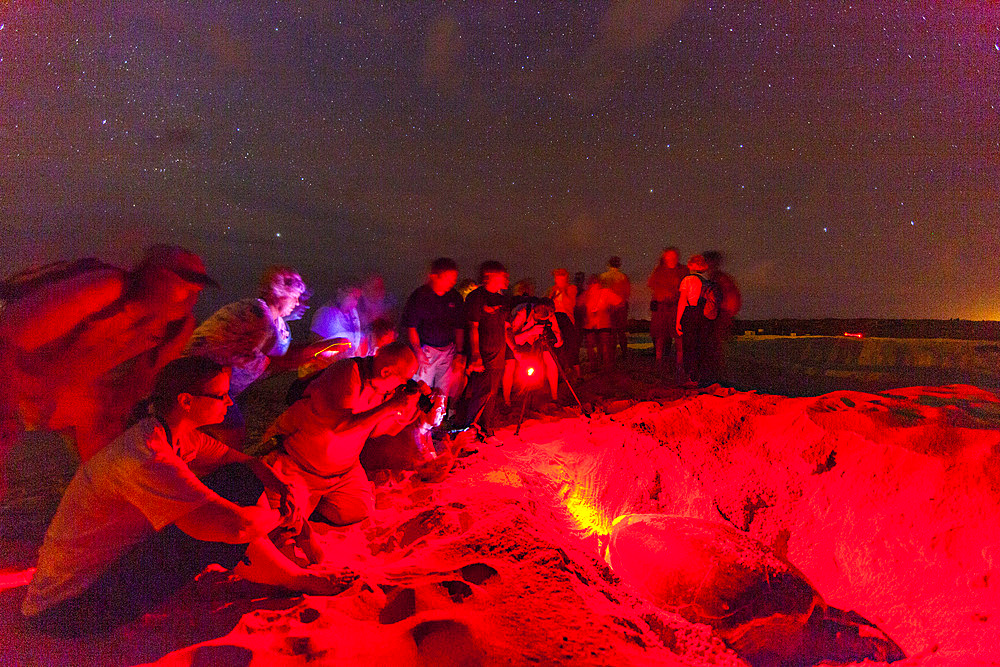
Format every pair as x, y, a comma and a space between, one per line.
524, 406
562, 373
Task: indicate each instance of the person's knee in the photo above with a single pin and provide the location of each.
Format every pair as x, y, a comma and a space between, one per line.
346, 511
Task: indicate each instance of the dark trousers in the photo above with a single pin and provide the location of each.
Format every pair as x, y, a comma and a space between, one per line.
152, 570
695, 343
483, 389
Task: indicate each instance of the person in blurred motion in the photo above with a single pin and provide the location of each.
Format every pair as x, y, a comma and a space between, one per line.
616, 281
664, 284
729, 306
694, 322
81, 342
381, 333
487, 311
433, 321
252, 337
339, 318
375, 302
598, 302
150, 511
564, 297
319, 438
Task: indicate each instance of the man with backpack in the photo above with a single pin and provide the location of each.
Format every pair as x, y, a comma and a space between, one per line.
81, 342
730, 301
697, 310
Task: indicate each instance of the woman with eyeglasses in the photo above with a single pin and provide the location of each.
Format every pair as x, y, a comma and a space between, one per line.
152, 509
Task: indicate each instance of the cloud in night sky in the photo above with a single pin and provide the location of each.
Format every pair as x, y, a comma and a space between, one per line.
844, 157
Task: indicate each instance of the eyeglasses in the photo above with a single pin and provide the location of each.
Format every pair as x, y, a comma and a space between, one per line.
219, 397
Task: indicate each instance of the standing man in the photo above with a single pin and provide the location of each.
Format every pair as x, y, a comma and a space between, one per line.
434, 326
618, 282
664, 283
730, 305
487, 311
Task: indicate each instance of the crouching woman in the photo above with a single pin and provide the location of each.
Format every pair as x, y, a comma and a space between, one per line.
152, 509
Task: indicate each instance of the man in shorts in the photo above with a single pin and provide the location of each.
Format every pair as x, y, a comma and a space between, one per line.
322, 434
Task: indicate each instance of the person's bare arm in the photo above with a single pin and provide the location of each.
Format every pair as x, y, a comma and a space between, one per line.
222, 521
556, 331
475, 354
399, 407
289, 512
414, 339
681, 304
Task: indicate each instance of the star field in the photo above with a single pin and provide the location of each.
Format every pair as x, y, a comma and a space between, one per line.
843, 156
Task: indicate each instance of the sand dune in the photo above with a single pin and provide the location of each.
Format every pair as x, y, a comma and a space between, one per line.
495, 555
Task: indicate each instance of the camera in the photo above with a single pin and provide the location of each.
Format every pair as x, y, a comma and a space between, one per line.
425, 403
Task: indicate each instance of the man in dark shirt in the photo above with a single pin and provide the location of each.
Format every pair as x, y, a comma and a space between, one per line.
487, 310
434, 327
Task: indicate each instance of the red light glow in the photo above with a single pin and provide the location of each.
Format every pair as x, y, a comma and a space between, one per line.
854, 335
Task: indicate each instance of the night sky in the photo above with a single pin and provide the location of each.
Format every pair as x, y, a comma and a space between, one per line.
843, 156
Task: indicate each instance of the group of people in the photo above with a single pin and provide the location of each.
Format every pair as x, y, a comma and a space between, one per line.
111, 359
693, 305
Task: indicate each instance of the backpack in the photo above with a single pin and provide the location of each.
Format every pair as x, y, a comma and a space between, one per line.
25, 282
711, 297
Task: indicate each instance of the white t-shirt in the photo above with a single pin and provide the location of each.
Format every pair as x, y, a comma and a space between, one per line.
136, 485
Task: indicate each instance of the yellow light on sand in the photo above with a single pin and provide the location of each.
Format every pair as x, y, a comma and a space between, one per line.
586, 514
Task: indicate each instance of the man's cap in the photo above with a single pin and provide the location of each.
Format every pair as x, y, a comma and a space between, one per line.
179, 261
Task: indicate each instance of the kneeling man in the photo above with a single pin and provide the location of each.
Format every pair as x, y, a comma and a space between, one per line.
137, 523
322, 434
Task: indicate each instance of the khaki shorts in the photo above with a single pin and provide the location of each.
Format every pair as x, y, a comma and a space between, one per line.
331, 495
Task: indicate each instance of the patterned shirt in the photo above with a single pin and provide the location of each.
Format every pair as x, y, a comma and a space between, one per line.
242, 335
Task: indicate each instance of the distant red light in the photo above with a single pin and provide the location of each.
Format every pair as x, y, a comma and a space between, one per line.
854, 335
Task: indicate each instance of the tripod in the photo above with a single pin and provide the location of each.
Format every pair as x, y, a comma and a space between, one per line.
547, 347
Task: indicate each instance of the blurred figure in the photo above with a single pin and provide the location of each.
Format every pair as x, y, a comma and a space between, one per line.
487, 312
150, 511
433, 321
564, 297
563, 294
466, 287
81, 342
664, 283
694, 327
339, 318
618, 282
522, 292
598, 302
374, 302
729, 306
533, 333
382, 333
252, 337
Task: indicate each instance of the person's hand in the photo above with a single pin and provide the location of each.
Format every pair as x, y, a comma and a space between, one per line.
475, 365
405, 404
679, 332
559, 341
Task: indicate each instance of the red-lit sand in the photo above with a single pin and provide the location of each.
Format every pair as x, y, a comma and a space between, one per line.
888, 503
